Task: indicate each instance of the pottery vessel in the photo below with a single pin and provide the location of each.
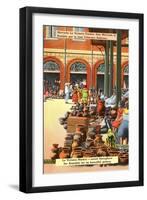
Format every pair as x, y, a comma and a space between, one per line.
65, 153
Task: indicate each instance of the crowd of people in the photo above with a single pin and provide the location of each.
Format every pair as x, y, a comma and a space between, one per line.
52, 89
116, 117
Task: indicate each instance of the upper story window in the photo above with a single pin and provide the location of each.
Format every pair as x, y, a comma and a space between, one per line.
78, 67
51, 32
101, 69
78, 29
51, 66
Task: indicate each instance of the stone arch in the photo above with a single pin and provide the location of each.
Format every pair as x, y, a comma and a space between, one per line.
124, 64
59, 62
95, 66
88, 69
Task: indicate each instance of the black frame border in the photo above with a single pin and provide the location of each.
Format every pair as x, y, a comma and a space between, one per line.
25, 99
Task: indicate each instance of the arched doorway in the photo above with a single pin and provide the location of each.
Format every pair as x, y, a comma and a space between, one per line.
78, 73
78, 70
100, 76
51, 75
126, 77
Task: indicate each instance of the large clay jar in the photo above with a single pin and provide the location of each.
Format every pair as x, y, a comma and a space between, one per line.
65, 153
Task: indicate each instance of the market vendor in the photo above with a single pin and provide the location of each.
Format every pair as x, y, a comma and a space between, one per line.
123, 128
100, 106
111, 101
67, 92
119, 118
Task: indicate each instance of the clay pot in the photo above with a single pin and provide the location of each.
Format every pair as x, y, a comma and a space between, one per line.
98, 140
94, 151
73, 113
66, 115
65, 126
79, 114
113, 153
55, 145
55, 148
123, 159
65, 153
68, 143
54, 156
102, 152
88, 153
69, 135
77, 154
61, 121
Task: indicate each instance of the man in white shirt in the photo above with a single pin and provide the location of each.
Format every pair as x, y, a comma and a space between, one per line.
67, 92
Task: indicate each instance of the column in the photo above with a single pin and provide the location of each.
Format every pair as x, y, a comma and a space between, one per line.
111, 69
118, 67
106, 75
65, 58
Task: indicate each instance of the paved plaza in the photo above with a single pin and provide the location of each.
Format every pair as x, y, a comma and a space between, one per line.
53, 131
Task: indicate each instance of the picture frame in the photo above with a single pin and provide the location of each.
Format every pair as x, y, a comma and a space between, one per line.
27, 98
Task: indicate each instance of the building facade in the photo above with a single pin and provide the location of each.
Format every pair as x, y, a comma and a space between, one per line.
76, 59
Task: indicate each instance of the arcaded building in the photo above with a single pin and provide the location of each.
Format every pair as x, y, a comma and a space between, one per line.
99, 63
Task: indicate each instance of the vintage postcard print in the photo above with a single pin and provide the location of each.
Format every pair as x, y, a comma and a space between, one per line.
86, 99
